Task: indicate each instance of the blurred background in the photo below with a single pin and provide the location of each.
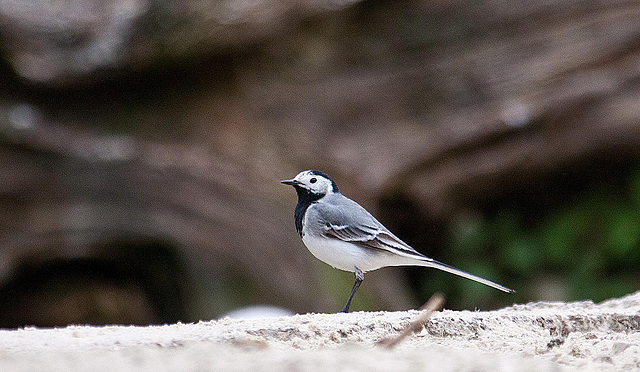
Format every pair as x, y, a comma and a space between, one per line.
142, 141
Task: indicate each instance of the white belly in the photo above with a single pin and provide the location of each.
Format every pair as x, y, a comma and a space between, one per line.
344, 256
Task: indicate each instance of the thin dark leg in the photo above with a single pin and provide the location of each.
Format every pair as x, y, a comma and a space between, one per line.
356, 285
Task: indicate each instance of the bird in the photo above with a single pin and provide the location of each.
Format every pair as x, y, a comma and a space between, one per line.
343, 234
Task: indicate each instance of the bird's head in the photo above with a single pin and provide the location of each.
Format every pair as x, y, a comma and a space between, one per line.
314, 182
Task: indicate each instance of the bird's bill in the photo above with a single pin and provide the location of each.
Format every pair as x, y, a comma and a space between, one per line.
291, 182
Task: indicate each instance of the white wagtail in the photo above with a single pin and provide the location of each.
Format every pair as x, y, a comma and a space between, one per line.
340, 232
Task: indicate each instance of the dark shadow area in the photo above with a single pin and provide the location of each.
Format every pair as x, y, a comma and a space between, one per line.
564, 228
539, 195
127, 282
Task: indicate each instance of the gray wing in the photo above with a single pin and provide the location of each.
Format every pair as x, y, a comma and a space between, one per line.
346, 220
342, 218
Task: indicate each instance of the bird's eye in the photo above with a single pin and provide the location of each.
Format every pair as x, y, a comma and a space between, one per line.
313, 180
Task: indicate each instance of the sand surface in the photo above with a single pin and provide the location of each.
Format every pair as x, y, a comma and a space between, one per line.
531, 337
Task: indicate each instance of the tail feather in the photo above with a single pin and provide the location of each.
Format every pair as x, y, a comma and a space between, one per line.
450, 269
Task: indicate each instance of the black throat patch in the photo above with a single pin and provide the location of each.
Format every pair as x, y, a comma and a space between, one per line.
305, 199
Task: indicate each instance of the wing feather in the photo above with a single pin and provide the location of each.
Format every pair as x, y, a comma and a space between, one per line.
346, 220
371, 237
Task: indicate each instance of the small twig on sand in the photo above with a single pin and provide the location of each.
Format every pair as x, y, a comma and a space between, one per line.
435, 302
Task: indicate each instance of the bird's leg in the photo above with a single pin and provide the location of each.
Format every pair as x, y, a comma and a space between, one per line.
356, 285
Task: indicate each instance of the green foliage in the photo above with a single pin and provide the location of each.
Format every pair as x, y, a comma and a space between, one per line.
592, 243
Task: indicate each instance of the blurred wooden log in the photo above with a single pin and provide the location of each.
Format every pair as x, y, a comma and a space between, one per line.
68, 191
87, 40
474, 98
445, 102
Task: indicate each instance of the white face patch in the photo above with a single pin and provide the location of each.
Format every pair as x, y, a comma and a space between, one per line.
315, 183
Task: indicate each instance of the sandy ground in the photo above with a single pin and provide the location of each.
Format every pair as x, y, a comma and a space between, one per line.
531, 337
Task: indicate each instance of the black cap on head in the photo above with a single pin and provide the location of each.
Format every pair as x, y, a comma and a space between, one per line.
323, 174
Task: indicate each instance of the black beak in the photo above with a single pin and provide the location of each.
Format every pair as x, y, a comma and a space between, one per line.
290, 182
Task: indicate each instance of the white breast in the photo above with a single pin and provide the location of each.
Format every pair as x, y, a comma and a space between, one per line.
347, 256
